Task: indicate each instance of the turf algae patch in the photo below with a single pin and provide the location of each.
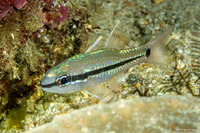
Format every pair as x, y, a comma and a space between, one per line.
29, 47
157, 114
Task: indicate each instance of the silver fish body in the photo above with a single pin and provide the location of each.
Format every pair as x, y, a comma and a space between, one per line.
90, 69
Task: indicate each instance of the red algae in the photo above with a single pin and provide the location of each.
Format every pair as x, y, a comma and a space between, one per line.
7, 5
54, 17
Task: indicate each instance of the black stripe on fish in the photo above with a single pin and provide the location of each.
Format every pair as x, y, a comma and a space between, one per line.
100, 70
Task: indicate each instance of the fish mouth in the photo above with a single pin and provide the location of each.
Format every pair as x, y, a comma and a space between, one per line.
47, 82
47, 85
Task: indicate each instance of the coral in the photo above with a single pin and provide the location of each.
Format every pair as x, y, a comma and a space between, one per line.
158, 114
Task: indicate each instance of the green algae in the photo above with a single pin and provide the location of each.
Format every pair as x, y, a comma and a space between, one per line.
16, 117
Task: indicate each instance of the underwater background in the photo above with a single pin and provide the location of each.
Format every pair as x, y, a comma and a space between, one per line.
36, 35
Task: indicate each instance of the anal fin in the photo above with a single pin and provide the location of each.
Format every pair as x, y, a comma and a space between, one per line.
101, 92
114, 83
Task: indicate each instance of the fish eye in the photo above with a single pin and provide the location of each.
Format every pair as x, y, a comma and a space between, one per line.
63, 80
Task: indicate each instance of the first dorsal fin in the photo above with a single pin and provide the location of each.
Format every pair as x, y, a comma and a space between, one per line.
95, 45
115, 40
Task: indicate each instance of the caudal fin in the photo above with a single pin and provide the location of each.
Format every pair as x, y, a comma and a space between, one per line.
157, 52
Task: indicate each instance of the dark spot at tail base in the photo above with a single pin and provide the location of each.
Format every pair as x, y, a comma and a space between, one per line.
148, 52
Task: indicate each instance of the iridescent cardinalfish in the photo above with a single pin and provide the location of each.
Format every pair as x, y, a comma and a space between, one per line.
87, 71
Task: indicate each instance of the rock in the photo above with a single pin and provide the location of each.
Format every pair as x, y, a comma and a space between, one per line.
157, 114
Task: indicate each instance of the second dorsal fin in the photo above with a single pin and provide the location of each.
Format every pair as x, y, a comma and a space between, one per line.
116, 39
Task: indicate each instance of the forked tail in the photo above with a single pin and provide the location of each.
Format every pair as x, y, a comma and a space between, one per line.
157, 52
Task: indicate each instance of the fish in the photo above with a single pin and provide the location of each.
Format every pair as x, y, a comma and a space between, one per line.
86, 71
